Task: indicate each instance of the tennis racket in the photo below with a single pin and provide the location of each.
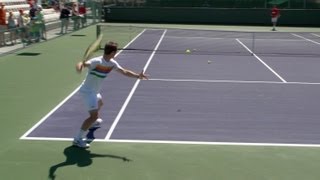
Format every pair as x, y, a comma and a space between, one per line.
92, 48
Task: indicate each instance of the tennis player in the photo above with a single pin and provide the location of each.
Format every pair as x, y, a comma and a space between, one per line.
275, 14
98, 69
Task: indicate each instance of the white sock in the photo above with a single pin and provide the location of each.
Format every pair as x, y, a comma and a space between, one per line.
80, 134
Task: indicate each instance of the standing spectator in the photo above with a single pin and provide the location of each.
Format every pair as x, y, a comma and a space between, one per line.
3, 24
22, 25
64, 17
75, 16
33, 9
275, 14
83, 14
36, 26
41, 22
12, 28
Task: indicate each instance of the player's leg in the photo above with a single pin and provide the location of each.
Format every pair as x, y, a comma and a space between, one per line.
90, 120
97, 123
91, 100
274, 23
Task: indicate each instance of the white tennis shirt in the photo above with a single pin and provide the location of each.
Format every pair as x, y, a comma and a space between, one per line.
98, 69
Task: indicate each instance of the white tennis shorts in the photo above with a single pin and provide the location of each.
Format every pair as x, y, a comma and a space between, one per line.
274, 20
91, 100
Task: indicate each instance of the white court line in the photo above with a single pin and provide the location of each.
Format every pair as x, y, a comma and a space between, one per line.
180, 142
315, 42
281, 40
186, 37
124, 106
213, 143
315, 34
68, 97
232, 81
265, 64
233, 38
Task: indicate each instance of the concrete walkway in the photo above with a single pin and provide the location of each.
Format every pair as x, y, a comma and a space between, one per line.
51, 33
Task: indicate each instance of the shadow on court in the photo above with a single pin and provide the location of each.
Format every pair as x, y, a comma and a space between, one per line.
81, 158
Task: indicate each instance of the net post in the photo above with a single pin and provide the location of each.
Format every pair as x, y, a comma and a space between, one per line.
98, 32
253, 42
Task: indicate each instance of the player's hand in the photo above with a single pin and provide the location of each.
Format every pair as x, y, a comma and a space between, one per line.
79, 67
143, 76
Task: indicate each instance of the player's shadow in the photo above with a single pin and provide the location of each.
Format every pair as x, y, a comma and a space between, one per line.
81, 158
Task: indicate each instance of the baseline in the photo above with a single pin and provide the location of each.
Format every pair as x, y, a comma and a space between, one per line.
182, 142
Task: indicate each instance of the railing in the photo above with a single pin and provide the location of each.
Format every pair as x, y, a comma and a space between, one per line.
35, 31
290, 4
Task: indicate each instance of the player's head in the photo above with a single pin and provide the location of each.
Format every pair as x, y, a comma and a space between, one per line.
111, 48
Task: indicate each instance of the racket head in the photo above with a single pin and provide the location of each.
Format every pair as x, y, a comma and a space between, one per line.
92, 48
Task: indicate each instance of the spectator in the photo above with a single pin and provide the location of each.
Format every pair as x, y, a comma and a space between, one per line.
12, 28
3, 24
41, 23
75, 16
33, 9
64, 17
83, 14
275, 14
23, 20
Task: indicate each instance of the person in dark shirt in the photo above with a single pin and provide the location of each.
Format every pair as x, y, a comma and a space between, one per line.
33, 9
64, 17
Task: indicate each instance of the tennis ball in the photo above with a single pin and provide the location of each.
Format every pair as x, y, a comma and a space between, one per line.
188, 51
209, 62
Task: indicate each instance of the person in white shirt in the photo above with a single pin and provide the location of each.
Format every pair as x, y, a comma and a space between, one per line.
98, 70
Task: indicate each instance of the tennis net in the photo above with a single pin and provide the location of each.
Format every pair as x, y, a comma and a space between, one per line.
142, 39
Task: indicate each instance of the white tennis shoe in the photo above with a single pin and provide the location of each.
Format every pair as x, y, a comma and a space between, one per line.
80, 143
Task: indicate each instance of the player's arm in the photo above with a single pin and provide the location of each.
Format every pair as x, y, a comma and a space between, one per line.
132, 74
80, 65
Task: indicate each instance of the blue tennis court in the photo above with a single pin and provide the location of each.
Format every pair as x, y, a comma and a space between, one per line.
231, 88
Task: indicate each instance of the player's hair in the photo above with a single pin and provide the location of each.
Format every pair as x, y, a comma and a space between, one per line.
110, 47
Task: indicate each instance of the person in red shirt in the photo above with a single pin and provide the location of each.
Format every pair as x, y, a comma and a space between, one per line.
3, 24
275, 14
83, 14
